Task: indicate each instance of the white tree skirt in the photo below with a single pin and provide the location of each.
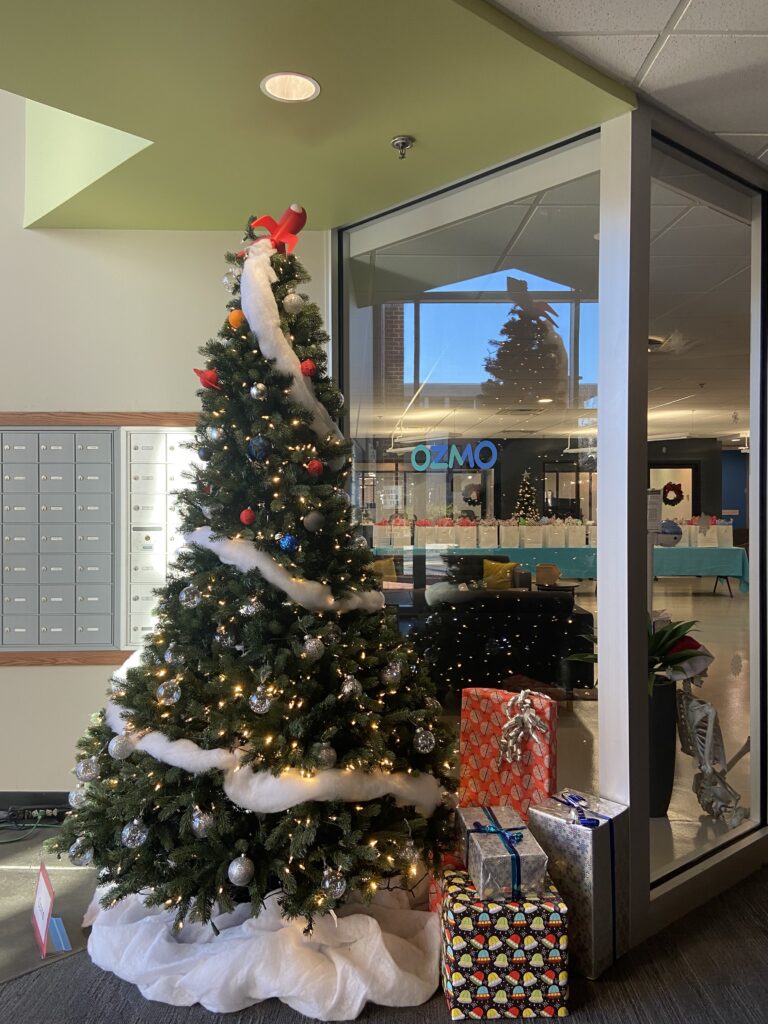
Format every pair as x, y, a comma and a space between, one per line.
385, 952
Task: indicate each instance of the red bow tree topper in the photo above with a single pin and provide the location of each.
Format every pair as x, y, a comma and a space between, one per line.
283, 233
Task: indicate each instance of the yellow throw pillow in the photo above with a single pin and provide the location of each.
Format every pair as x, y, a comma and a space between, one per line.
498, 575
385, 568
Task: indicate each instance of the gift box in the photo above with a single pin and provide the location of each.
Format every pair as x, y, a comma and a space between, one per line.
509, 534
592, 535
444, 531
488, 535
503, 959
465, 533
707, 536
724, 535
508, 749
501, 855
423, 533
587, 842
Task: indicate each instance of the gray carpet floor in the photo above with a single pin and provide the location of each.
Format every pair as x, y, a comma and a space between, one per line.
709, 968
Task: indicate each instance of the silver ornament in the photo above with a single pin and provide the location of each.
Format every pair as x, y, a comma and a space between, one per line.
314, 648
88, 769
190, 597
351, 687
251, 608
324, 754
172, 656
409, 851
333, 883
433, 704
332, 634
293, 303
168, 693
313, 521
80, 854
360, 542
134, 834
120, 747
241, 870
213, 433
390, 674
341, 399
77, 797
117, 686
202, 823
259, 391
424, 741
338, 463
260, 701
230, 280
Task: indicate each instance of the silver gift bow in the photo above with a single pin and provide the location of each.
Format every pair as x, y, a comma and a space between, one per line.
522, 724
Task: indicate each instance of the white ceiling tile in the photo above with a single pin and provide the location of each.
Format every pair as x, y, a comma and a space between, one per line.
718, 16
598, 16
752, 144
618, 55
720, 82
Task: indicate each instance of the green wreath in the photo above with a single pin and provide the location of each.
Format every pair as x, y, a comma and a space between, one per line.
672, 494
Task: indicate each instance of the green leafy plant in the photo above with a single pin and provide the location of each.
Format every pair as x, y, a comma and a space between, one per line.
664, 650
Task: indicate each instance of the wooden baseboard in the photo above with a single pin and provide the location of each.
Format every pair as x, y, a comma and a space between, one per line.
98, 419
31, 659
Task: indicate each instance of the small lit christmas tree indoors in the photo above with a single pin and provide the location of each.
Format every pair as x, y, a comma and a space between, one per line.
526, 505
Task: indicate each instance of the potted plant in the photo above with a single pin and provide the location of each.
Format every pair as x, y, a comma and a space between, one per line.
672, 655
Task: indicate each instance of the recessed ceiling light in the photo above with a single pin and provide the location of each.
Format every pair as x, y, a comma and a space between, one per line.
290, 87
544, 401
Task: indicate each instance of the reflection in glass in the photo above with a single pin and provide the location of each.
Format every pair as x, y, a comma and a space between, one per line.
698, 431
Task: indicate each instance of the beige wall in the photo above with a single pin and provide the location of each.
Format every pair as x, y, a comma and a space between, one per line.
99, 321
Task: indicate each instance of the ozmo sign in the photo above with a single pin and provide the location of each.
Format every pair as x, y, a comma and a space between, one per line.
481, 455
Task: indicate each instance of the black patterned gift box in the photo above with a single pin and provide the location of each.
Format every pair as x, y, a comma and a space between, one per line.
503, 959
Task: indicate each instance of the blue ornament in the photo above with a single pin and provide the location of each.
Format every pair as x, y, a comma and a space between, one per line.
258, 449
288, 542
204, 454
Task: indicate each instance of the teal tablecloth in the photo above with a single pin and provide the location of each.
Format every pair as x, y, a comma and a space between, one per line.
581, 563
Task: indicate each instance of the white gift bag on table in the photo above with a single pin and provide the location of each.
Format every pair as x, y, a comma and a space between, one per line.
685, 535
444, 534
724, 535
592, 535
401, 536
576, 535
382, 536
465, 536
707, 537
487, 535
509, 534
554, 535
531, 537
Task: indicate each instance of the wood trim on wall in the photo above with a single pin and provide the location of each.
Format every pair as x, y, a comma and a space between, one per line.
28, 659
98, 419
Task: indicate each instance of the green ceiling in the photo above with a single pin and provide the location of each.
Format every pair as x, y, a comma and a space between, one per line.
473, 86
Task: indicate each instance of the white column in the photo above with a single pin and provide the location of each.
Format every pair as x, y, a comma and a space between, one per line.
622, 482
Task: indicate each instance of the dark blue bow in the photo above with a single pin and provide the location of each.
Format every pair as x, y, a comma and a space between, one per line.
580, 805
510, 837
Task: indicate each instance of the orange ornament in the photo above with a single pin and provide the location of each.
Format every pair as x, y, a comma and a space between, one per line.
236, 319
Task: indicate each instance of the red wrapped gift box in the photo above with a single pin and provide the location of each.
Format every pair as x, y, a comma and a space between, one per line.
487, 777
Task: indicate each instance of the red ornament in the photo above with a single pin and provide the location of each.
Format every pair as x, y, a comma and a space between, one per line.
308, 367
283, 233
247, 517
315, 467
209, 379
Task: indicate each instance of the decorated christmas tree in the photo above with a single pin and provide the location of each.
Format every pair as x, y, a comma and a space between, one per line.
526, 505
528, 363
276, 730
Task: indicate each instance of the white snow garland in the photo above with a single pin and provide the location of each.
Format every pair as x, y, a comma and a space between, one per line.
310, 594
267, 793
258, 304
386, 953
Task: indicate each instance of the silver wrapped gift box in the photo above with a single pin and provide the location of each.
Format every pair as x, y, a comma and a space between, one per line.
587, 841
502, 857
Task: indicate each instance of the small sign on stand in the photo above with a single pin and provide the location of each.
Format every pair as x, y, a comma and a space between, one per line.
44, 925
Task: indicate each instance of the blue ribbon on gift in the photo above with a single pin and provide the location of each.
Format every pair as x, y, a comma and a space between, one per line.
510, 837
581, 805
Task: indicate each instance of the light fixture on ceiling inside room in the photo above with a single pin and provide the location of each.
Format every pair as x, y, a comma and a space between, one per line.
402, 143
544, 401
655, 343
290, 87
